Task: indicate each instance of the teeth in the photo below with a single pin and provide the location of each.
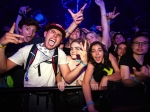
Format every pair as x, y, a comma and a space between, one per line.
52, 42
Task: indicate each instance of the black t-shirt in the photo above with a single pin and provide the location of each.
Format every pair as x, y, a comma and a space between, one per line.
130, 61
67, 51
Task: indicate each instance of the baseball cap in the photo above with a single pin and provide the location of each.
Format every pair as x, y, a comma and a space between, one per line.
56, 26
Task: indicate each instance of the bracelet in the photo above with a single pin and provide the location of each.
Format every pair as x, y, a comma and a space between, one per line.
21, 14
67, 31
135, 80
2, 46
89, 103
84, 64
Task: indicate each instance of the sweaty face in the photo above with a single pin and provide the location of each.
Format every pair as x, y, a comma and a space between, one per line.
75, 47
53, 37
91, 38
97, 53
28, 32
118, 39
75, 34
121, 49
140, 45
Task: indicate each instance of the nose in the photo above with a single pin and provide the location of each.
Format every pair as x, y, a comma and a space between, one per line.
30, 33
97, 52
140, 45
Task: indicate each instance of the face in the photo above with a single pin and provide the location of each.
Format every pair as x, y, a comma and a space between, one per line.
28, 32
140, 45
91, 38
119, 38
75, 34
121, 49
53, 37
97, 53
75, 47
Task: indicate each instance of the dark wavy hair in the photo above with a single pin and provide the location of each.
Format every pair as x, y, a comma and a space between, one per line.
29, 21
106, 63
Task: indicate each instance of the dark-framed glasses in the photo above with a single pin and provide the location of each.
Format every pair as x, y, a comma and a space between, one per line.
145, 44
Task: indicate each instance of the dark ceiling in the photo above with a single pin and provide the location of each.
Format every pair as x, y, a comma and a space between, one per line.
55, 12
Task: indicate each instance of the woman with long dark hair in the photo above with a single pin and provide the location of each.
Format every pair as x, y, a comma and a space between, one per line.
100, 66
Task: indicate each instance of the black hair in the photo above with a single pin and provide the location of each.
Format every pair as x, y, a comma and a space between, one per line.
119, 33
116, 54
106, 63
29, 21
138, 34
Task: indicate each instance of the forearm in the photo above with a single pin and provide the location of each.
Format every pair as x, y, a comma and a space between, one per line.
105, 27
19, 17
114, 77
71, 28
58, 78
2, 60
129, 82
87, 92
71, 76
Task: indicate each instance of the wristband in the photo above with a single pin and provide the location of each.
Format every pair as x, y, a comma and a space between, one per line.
67, 31
135, 80
89, 103
84, 64
21, 14
2, 46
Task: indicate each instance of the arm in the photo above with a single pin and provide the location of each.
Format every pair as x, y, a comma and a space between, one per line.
60, 83
125, 75
22, 13
114, 77
68, 75
77, 19
105, 26
9, 37
110, 16
86, 86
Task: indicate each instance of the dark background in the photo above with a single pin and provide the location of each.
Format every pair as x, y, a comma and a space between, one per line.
131, 12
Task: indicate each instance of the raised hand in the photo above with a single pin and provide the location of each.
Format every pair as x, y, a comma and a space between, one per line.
112, 15
24, 9
100, 3
10, 37
78, 17
83, 52
99, 28
85, 30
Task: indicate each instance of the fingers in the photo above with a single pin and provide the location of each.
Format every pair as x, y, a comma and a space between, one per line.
114, 10
12, 28
85, 44
94, 87
82, 9
70, 12
61, 86
102, 87
116, 14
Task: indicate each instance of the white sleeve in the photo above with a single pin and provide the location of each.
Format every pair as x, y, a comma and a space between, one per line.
20, 57
62, 59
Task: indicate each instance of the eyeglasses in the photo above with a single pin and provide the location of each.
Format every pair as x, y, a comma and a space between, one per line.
145, 44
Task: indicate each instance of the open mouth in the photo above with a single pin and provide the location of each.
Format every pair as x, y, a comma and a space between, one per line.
51, 42
28, 38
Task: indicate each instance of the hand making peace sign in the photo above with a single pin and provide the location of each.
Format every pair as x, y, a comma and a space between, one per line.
83, 52
78, 17
10, 37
